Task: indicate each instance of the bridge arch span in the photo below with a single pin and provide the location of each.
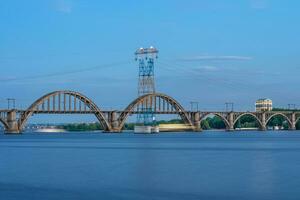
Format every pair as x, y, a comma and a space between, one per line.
248, 114
155, 98
279, 114
2, 121
219, 115
297, 120
67, 96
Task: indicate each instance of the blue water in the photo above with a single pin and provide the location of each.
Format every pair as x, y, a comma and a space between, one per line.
210, 165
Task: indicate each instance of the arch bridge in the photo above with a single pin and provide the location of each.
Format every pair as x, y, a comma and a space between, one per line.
71, 102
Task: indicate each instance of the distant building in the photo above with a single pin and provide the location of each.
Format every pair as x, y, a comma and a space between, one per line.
263, 105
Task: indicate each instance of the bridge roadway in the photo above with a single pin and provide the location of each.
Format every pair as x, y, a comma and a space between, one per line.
70, 102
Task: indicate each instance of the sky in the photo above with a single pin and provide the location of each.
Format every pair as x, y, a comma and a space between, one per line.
210, 51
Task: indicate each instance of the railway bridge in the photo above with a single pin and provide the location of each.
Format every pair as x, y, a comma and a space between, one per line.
71, 102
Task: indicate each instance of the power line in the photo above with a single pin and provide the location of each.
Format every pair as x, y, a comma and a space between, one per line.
55, 74
181, 68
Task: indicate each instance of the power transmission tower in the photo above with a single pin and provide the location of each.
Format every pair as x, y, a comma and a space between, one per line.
9, 101
194, 106
291, 106
228, 105
146, 84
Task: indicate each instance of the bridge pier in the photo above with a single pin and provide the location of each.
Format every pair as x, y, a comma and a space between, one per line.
13, 127
230, 126
114, 123
293, 121
263, 122
196, 122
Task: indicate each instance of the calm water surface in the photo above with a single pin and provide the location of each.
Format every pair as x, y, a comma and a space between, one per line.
210, 165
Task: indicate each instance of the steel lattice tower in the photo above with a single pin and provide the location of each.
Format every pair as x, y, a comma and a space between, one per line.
146, 85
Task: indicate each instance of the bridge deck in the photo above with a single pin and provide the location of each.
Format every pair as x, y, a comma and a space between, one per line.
137, 112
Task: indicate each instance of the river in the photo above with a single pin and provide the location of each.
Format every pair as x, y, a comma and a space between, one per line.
179, 166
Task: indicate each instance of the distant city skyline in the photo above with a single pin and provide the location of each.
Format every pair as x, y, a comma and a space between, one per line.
211, 51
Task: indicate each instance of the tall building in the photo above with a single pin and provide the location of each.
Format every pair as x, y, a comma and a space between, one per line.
263, 105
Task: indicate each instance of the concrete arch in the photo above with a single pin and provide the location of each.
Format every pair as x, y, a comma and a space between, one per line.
280, 114
2, 121
226, 122
183, 114
88, 102
249, 114
297, 120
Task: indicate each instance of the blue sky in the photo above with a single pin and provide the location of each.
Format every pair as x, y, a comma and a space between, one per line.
211, 51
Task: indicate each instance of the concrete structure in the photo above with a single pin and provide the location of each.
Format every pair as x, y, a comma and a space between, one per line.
146, 129
262, 105
12, 123
70, 102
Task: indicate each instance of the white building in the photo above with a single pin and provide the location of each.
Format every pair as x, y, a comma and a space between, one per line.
263, 105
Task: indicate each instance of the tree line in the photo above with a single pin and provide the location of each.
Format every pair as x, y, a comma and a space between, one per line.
211, 122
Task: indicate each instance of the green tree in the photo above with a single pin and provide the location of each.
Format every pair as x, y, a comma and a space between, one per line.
205, 124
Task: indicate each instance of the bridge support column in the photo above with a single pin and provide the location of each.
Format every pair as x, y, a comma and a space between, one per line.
197, 122
13, 127
231, 122
293, 121
113, 120
263, 122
